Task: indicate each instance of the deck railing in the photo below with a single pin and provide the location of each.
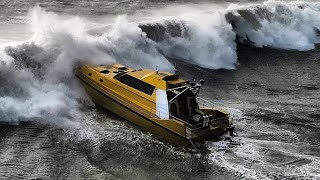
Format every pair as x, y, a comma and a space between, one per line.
203, 103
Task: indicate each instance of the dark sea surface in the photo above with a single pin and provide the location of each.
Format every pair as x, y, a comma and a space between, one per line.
260, 61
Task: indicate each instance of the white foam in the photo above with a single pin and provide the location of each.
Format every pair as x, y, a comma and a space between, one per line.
210, 42
285, 25
250, 159
61, 43
38, 75
241, 165
129, 45
58, 46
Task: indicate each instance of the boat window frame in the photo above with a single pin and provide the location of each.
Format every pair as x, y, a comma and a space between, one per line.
136, 84
105, 71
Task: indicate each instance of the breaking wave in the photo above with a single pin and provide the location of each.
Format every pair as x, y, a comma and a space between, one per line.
37, 76
277, 24
209, 39
205, 40
37, 81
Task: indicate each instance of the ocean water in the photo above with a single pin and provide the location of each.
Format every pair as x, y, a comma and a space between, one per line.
260, 61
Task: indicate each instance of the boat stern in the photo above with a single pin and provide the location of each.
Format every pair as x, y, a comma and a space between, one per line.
218, 125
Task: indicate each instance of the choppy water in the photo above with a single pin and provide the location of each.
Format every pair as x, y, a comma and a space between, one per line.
260, 61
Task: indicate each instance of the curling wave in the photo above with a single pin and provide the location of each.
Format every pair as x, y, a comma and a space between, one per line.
276, 24
209, 39
206, 40
37, 77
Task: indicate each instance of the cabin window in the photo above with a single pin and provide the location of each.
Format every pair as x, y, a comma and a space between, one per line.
171, 77
90, 74
136, 84
101, 80
123, 68
104, 71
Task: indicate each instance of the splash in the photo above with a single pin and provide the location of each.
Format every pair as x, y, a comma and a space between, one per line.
210, 42
200, 38
128, 44
208, 37
37, 78
277, 24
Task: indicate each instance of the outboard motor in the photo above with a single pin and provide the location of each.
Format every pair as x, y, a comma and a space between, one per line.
232, 131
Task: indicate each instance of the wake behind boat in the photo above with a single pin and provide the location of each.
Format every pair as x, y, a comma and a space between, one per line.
160, 102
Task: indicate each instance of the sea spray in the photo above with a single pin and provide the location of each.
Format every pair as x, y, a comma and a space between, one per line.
127, 43
209, 43
41, 72
277, 24
203, 38
38, 76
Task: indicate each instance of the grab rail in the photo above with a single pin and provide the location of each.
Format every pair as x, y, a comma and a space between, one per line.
204, 103
194, 127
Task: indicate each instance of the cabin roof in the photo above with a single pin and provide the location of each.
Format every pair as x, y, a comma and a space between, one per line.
152, 77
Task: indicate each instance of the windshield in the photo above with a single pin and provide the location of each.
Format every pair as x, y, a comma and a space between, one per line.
184, 105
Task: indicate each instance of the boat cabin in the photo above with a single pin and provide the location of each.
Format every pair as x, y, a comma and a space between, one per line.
173, 97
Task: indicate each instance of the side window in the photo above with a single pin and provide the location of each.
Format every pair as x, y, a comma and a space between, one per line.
136, 84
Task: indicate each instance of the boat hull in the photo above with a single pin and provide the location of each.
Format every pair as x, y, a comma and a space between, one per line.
115, 107
140, 109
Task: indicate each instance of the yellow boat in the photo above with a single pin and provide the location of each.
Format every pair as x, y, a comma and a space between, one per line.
160, 102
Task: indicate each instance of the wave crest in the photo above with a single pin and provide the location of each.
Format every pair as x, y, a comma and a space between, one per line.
277, 24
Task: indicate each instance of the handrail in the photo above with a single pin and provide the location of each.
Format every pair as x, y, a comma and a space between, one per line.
204, 103
158, 113
197, 126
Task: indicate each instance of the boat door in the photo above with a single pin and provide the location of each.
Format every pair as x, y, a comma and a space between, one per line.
162, 105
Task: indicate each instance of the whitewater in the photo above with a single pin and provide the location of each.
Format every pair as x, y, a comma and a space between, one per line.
207, 39
241, 49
